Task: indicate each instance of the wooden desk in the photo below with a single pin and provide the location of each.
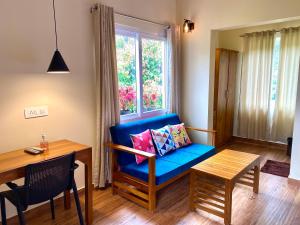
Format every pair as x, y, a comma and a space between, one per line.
12, 167
213, 180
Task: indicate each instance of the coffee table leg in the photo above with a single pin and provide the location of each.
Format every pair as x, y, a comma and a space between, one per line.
228, 202
256, 179
192, 189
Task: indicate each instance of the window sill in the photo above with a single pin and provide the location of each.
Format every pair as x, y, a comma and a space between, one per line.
135, 117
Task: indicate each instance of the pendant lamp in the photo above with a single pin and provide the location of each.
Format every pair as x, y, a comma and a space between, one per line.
57, 64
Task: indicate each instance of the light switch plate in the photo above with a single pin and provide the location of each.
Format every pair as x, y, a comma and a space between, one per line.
35, 111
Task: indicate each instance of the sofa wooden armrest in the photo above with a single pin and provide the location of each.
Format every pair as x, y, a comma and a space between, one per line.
130, 150
151, 197
212, 132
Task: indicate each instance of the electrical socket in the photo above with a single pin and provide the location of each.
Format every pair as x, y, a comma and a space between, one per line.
35, 111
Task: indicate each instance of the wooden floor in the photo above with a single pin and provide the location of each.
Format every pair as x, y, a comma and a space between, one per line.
278, 203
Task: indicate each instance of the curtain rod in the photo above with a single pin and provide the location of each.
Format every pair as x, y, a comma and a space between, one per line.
95, 7
276, 31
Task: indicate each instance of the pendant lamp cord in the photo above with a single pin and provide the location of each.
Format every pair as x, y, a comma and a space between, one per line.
55, 25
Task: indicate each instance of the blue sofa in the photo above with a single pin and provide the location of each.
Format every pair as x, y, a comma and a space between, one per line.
140, 183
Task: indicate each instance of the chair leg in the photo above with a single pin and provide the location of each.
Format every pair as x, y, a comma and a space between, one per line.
52, 208
67, 201
20, 215
3, 210
75, 192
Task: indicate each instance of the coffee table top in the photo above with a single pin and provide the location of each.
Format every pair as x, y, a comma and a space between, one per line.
228, 164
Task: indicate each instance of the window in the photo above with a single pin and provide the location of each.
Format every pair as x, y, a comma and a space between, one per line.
275, 67
141, 74
126, 61
275, 71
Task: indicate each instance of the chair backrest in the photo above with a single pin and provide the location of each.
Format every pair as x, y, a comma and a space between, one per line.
121, 133
48, 179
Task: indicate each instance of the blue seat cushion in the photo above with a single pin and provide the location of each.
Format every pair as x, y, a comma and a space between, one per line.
164, 170
171, 164
197, 149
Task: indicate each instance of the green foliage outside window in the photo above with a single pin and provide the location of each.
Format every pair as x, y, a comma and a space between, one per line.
126, 62
152, 73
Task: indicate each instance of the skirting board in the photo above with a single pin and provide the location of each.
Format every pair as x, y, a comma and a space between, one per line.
292, 177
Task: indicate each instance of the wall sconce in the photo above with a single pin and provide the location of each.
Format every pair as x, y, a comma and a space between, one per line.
188, 26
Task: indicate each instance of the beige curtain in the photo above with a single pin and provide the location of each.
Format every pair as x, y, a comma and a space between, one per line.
173, 70
284, 113
107, 97
253, 113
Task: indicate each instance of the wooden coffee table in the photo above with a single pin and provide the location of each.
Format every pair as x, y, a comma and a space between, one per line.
212, 181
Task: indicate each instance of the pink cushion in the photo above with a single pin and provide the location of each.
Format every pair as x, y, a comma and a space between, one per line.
142, 142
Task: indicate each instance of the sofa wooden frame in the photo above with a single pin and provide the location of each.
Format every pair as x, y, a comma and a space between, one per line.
134, 189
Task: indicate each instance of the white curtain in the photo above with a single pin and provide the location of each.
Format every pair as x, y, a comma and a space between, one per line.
255, 86
173, 70
284, 113
107, 96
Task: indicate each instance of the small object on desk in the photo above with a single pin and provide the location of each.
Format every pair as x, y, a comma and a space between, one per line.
44, 144
34, 150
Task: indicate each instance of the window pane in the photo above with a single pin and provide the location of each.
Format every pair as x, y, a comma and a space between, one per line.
126, 63
275, 67
274, 78
153, 70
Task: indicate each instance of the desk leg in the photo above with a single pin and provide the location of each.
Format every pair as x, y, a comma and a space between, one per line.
88, 191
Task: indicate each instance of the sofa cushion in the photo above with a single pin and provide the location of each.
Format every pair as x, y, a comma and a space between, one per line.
121, 133
163, 140
142, 142
171, 164
164, 170
198, 149
179, 135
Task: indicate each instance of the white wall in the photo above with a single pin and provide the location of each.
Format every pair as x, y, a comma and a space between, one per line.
26, 47
295, 165
199, 51
230, 39
162, 11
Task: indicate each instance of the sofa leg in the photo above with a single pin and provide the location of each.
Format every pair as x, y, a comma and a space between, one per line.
152, 184
152, 201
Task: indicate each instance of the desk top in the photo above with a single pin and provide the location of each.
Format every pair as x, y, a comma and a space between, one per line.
18, 158
227, 164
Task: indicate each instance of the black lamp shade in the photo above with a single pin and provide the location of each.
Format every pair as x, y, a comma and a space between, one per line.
58, 64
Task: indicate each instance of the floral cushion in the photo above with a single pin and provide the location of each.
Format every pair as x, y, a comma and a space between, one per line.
163, 140
179, 135
142, 142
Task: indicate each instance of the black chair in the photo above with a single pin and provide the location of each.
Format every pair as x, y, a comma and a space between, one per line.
43, 182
